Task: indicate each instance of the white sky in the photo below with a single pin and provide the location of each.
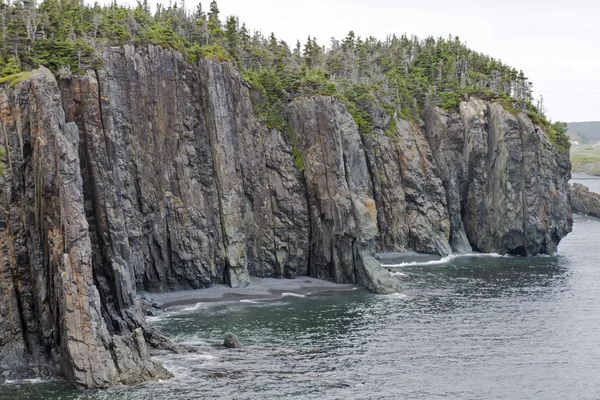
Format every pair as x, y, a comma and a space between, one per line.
555, 42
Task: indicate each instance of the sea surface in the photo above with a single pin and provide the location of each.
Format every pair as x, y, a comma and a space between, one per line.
464, 328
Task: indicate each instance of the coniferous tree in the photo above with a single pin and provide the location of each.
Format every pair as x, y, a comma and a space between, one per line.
400, 75
232, 37
214, 23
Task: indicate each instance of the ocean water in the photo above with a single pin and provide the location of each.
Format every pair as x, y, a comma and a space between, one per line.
467, 328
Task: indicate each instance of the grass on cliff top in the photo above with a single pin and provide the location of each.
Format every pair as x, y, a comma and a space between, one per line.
15, 79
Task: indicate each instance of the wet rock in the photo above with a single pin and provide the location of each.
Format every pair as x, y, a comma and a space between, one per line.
231, 341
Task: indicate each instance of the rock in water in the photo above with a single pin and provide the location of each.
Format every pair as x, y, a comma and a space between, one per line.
231, 341
583, 201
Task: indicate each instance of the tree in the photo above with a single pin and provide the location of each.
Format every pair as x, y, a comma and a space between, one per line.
560, 128
214, 23
349, 42
399, 75
312, 53
232, 37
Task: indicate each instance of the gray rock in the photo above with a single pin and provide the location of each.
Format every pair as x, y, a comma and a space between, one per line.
231, 341
583, 201
506, 186
46, 248
153, 175
343, 214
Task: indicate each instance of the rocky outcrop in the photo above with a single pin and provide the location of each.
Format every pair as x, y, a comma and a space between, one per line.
343, 214
154, 175
410, 198
52, 310
230, 341
185, 186
584, 201
506, 186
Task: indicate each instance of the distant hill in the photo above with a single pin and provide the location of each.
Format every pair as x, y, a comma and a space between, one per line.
589, 130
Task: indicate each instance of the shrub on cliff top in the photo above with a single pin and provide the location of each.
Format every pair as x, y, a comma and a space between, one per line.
15, 79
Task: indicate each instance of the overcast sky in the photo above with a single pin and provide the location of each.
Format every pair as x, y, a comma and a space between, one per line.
555, 42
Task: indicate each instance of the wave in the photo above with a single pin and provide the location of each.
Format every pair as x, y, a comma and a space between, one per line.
397, 295
157, 318
446, 259
195, 308
292, 295
33, 381
399, 274
249, 301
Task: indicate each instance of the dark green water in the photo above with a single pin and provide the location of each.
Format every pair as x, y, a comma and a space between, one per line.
473, 328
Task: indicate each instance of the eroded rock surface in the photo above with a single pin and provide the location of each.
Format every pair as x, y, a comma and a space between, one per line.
52, 310
154, 175
506, 186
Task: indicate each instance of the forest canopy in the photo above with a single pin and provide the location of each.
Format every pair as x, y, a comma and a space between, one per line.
400, 75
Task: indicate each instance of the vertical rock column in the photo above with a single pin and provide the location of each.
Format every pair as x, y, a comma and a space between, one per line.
63, 318
504, 179
343, 214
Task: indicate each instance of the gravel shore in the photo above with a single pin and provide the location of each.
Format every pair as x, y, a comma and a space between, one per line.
259, 288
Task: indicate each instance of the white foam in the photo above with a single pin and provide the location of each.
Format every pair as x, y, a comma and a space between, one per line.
155, 318
249, 301
432, 262
292, 295
191, 341
399, 274
446, 259
398, 295
205, 357
195, 308
20, 381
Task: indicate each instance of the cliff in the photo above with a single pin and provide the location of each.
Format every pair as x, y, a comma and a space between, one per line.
583, 201
151, 174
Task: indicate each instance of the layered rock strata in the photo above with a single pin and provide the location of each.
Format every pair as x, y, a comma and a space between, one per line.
506, 186
151, 174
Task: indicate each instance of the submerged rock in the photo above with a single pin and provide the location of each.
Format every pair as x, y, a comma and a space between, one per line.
583, 201
231, 341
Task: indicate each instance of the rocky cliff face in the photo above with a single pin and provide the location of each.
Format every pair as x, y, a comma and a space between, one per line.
154, 175
54, 308
506, 187
583, 201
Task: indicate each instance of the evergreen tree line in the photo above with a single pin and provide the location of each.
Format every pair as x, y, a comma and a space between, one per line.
400, 75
